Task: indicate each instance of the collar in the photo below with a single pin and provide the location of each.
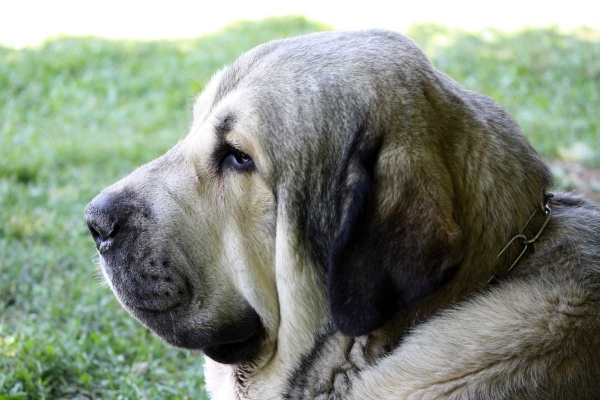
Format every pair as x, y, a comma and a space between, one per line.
525, 243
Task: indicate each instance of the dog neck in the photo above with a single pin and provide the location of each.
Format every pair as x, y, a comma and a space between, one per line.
497, 180
303, 313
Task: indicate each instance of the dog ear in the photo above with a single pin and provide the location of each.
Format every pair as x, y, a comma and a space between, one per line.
396, 242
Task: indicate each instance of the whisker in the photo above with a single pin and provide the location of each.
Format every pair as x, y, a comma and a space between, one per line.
98, 274
196, 83
173, 320
100, 278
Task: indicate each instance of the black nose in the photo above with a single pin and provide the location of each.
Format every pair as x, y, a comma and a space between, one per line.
102, 220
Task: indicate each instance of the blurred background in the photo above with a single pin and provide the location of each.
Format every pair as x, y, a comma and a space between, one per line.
90, 90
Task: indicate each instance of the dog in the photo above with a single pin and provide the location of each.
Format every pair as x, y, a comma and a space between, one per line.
344, 221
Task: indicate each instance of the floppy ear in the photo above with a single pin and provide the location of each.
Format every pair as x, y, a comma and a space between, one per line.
396, 242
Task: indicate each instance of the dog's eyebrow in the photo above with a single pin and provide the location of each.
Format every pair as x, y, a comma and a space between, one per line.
224, 124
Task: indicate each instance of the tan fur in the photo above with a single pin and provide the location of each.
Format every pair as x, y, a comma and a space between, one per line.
447, 180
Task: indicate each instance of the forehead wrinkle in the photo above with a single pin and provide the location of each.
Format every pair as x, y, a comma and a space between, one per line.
198, 146
224, 115
224, 124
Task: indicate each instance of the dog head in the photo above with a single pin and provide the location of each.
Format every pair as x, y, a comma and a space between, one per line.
323, 179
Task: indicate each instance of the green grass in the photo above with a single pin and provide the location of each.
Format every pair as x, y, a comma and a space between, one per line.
76, 114
548, 81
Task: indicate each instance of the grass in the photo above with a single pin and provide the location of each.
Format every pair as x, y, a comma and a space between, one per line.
548, 81
76, 114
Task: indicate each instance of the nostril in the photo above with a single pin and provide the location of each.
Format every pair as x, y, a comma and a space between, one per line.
94, 231
101, 219
102, 233
112, 231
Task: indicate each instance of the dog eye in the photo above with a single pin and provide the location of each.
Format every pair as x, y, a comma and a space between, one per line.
238, 160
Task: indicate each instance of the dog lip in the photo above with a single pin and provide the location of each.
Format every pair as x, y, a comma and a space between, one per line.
235, 351
244, 339
156, 311
233, 343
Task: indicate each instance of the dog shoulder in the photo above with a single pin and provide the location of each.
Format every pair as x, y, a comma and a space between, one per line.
531, 339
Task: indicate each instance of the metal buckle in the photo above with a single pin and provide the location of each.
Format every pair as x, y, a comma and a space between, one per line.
547, 211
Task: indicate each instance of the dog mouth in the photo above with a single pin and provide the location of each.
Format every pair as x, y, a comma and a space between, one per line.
166, 309
233, 342
235, 352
